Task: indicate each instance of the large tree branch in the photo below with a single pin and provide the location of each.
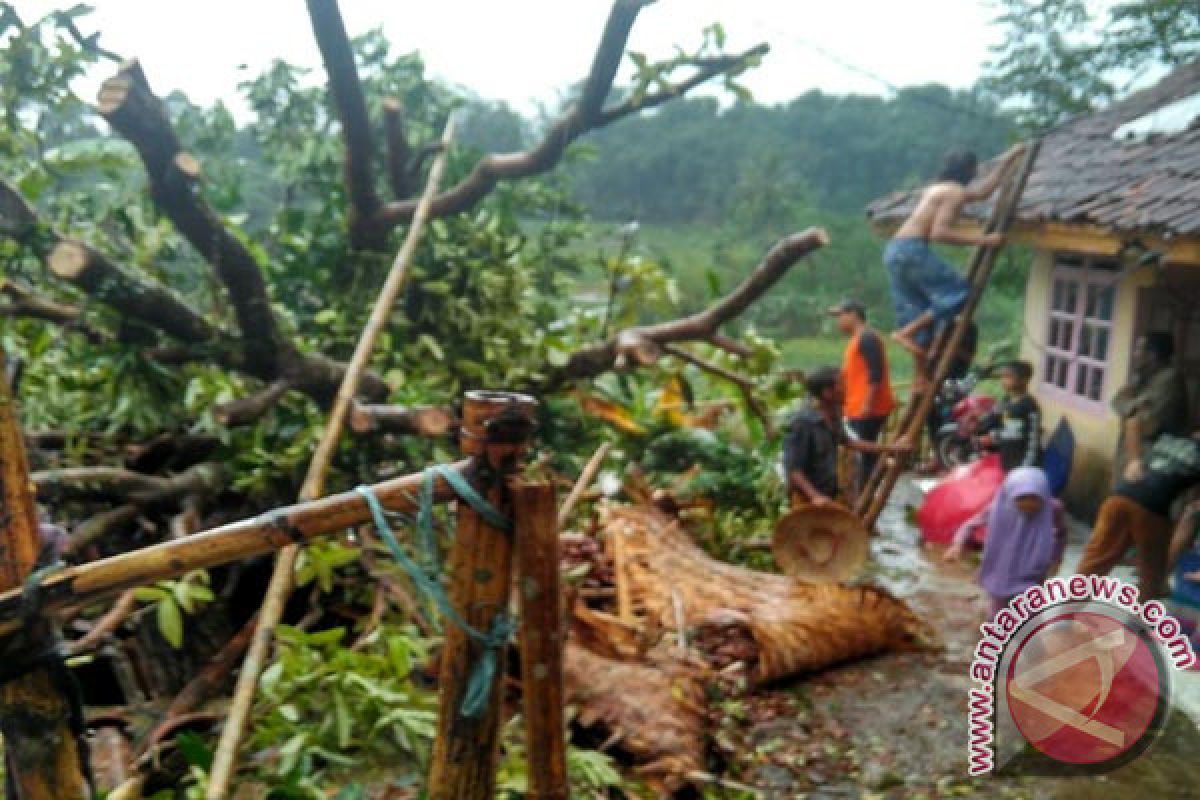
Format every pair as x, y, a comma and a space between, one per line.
643, 346
586, 114
399, 152
24, 302
135, 487
131, 107
128, 292
344, 85
705, 71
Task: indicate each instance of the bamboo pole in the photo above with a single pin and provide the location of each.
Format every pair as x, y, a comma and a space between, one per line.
78, 586
584, 481
542, 640
887, 473
225, 758
41, 750
495, 431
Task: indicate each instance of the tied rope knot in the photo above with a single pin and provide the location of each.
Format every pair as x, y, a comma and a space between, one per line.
425, 577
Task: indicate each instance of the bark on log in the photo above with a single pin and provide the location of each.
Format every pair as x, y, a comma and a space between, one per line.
643, 345
655, 713
250, 409
427, 421
797, 627
142, 299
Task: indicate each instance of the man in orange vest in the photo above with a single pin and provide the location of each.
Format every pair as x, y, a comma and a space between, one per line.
869, 398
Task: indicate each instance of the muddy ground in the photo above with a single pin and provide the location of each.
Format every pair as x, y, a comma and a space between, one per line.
896, 726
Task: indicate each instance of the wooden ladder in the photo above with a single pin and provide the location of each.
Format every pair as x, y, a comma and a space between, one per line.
874, 495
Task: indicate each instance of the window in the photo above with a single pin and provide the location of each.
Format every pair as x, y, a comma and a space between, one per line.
1079, 339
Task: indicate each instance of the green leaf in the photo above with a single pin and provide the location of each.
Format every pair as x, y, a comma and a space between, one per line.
195, 750
150, 594
170, 622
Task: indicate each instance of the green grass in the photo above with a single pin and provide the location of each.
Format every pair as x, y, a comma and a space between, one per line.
810, 352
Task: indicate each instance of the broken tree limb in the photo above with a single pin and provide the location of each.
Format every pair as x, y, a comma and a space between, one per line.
140, 297
207, 683
730, 345
426, 421
585, 480
643, 345
399, 153
77, 586
346, 91
135, 487
100, 526
24, 302
541, 639
251, 408
41, 730
587, 114
225, 757
106, 626
127, 102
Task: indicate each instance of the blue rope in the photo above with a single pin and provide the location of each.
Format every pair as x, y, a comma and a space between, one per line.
425, 578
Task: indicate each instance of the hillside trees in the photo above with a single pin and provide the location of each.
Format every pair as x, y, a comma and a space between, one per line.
1064, 57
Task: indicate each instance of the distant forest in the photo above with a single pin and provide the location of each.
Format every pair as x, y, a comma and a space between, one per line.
694, 162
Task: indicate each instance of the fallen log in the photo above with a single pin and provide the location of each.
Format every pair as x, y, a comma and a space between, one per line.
654, 714
795, 627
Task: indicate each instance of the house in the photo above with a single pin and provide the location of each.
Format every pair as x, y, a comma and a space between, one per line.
1112, 211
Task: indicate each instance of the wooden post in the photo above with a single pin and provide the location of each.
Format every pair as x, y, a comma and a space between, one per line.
495, 431
41, 749
542, 640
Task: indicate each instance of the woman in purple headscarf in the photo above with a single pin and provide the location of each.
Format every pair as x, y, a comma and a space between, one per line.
1027, 533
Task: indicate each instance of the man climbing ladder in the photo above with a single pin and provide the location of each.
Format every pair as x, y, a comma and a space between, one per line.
926, 291
946, 343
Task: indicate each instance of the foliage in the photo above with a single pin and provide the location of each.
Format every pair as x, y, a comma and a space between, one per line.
172, 599
693, 161
731, 477
1064, 57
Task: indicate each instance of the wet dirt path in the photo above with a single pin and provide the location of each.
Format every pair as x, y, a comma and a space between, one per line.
896, 726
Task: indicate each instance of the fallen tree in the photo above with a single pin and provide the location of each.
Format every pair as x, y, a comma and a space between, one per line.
794, 627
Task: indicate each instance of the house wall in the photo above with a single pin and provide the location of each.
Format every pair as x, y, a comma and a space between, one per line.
1094, 424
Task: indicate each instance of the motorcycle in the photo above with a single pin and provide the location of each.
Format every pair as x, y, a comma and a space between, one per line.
960, 414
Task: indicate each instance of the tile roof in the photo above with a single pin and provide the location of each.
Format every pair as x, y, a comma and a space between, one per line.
1087, 176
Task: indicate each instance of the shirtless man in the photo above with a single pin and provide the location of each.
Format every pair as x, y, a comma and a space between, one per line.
926, 291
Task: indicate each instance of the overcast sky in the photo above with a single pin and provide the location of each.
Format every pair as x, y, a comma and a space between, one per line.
524, 51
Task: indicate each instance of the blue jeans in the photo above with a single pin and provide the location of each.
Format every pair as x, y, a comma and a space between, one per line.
923, 283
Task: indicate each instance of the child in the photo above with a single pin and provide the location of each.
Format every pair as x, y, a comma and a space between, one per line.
1014, 429
1027, 533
